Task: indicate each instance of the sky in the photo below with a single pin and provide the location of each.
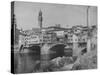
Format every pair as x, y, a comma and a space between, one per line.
63, 14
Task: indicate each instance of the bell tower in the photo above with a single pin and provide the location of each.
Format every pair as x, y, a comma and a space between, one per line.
40, 19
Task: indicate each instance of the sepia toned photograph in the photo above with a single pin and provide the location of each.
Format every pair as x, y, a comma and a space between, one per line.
48, 37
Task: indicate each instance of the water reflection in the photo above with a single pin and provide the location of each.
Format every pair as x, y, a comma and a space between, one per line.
33, 61
25, 62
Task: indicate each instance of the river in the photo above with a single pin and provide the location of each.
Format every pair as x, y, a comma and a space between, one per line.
30, 62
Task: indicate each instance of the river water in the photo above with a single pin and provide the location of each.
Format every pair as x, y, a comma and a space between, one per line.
31, 62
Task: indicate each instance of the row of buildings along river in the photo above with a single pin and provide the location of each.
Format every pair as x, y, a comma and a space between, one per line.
75, 36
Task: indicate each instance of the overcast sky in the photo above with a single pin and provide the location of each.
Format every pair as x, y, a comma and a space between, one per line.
66, 15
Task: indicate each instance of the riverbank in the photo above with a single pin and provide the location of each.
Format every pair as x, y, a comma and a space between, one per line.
82, 62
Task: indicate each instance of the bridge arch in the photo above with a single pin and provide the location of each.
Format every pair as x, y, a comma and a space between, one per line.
57, 50
35, 48
31, 49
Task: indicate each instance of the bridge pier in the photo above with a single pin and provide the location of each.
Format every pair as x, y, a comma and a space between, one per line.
45, 49
45, 55
75, 49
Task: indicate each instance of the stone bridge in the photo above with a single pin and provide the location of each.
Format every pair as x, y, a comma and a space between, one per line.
47, 48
